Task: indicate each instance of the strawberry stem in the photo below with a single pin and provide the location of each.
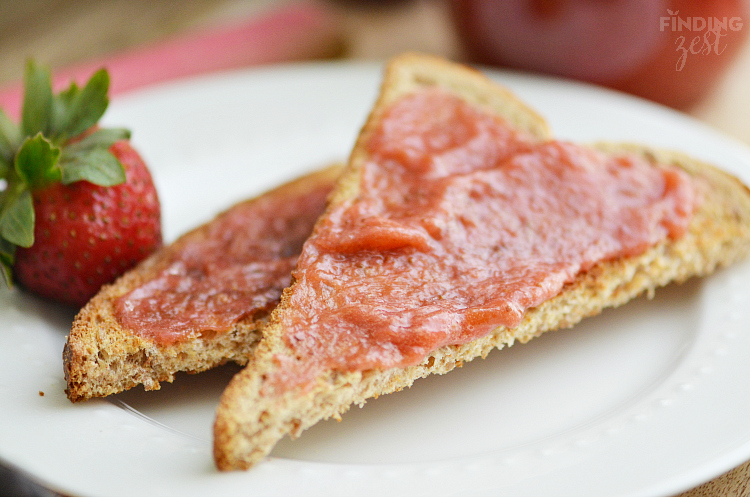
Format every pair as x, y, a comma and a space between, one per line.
45, 148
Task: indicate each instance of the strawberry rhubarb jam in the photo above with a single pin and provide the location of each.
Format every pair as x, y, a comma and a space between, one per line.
460, 225
234, 269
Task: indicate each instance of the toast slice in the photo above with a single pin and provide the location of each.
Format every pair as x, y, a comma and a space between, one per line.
121, 339
286, 388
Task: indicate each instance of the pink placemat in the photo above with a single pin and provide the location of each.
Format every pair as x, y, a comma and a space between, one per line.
296, 31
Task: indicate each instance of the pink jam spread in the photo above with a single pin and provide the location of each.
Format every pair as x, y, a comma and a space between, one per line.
461, 225
236, 269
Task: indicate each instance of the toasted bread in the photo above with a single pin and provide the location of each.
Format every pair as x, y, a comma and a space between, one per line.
103, 357
254, 413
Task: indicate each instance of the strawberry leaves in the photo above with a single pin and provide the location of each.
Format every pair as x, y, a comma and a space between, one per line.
90, 159
76, 110
17, 220
35, 168
56, 141
67, 114
10, 139
36, 162
36, 114
7, 253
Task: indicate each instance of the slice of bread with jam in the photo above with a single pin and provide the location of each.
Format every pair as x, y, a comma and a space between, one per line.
458, 227
198, 302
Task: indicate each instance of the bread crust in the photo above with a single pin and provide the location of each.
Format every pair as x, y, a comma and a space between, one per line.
101, 357
251, 419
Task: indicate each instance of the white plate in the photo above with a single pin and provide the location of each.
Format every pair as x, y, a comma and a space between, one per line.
649, 399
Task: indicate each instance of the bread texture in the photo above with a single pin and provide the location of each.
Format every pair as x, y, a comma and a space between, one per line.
102, 357
252, 416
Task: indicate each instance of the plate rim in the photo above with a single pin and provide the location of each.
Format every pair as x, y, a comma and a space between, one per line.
719, 465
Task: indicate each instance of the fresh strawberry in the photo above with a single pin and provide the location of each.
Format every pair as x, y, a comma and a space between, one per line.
78, 206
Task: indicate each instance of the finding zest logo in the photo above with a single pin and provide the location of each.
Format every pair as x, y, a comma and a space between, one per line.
705, 34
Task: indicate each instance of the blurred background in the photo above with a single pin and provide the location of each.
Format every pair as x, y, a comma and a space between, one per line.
689, 54
631, 45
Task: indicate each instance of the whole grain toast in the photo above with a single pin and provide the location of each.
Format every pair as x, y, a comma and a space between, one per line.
103, 357
254, 412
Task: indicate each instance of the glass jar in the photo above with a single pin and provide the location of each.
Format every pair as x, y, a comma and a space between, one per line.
669, 51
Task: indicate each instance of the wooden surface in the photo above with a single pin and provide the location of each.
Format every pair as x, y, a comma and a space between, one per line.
61, 33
